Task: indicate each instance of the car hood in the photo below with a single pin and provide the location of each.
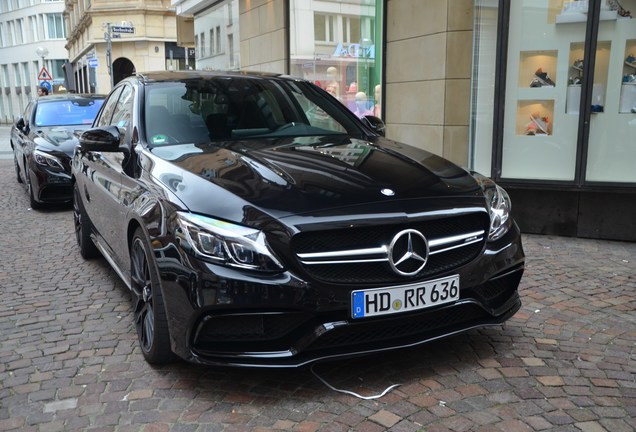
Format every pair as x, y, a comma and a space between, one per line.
58, 138
310, 175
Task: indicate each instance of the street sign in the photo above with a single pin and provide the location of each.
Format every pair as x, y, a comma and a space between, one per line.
44, 75
93, 63
122, 29
47, 85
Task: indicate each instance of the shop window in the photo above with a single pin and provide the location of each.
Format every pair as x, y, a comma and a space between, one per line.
558, 125
345, 55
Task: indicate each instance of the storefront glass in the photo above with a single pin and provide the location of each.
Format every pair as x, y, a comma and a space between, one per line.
337, 44
483, 84
611, 155
542, 137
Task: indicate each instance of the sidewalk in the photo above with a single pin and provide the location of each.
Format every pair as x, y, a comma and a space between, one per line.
5, 145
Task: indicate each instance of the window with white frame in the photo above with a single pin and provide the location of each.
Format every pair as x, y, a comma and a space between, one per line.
324, 28
197, 51
212, 45
55, 26
1, 34
17, 74
19, 31
202, 47
33, 21
10, 33
27, 74
217, 46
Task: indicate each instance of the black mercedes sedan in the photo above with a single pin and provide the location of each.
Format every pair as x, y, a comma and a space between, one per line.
258, 222
43, 140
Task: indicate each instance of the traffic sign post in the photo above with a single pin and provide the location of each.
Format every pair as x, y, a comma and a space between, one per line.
44, 75
93, 63
46, 85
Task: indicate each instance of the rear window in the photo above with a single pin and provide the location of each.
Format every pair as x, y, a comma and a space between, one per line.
67, 112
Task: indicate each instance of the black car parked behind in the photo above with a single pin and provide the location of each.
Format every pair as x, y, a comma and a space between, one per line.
43, 140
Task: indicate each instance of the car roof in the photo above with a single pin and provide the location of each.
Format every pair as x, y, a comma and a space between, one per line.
70, 96
167, 76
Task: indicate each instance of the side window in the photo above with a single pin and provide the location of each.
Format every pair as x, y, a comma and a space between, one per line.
123, 109
108, 109
27, 113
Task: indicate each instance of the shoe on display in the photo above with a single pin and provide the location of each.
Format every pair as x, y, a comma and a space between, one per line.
634, 109
574, 81
538, 124
631, 61
544, 78
598, 108
629, 79
536, 83
578, 65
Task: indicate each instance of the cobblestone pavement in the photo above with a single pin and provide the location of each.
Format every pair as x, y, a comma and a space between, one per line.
69, 358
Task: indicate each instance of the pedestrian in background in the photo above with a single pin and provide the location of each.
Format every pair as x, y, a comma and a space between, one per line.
43, 91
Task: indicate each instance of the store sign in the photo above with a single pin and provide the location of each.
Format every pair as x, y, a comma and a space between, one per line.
354, 51
122, 29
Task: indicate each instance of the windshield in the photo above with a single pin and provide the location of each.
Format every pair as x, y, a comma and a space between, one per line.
238, 108
78, 111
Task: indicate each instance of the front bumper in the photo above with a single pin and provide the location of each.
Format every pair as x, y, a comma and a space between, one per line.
221, 316
51, 186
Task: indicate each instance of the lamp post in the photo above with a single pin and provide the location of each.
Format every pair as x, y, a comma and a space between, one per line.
42, 52
108, 35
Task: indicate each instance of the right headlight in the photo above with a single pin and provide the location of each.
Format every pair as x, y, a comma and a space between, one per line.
499, 207
225, 243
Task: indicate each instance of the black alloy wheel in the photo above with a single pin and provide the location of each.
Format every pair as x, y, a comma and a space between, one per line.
150, 314
17, 169
81, 223
32, 202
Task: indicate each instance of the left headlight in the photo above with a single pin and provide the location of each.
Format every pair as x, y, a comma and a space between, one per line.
499, 206
47, 160
225, 243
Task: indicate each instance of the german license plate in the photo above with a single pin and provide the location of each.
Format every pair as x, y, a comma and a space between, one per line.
407, 298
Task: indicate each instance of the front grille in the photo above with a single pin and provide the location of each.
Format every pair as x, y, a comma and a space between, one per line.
56, 192
407, 327
371, 267
246, 327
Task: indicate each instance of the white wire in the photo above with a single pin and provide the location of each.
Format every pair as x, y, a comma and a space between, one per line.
388, 389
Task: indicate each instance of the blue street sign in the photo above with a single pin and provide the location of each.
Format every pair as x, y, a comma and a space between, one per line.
93, 63
46, 84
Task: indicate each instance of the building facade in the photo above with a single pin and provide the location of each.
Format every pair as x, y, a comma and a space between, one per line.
32, 37
133, 35
538, 94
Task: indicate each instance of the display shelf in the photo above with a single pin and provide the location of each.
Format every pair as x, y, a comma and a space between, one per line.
566, 18
535, 117
537, 69
627, 103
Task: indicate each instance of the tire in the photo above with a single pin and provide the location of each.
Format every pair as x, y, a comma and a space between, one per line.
32, 202
150, 314
82, 223
17, 169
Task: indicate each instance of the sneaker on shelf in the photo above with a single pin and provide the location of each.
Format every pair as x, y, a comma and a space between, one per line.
634, 109
577, 65
574, 81
629, 79
536, 83
631, 61
531, 129
598, 108
544, 78
540, 123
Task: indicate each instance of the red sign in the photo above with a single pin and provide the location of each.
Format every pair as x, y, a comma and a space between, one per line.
44, 75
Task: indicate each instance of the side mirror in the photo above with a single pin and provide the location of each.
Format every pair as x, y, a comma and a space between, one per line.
102, 139
375, 123
20, 124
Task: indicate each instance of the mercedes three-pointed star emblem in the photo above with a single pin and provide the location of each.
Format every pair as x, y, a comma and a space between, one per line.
408, 252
